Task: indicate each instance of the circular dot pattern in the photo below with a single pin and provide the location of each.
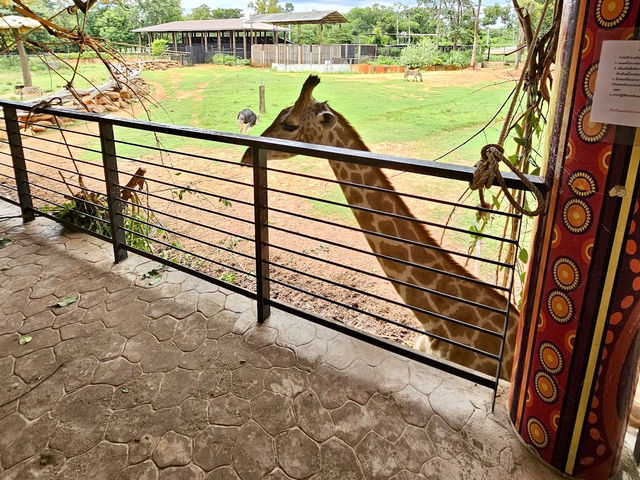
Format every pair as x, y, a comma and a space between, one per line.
537, 433
582, 183
551, 358
610, 13
589, 81
560, 306
546, 387
576, 215
588, 131
566, 273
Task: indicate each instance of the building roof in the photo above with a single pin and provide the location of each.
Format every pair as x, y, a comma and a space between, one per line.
237, 24
292, 18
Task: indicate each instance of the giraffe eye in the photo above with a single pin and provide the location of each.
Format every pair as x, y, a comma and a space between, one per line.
288, 127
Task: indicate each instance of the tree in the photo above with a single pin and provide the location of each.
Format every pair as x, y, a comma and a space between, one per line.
154, 12
474, 50
226, 13
114, 23
269, 6
203, 12
18, 26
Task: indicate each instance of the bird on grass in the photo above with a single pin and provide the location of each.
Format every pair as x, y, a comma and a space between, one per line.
246, 120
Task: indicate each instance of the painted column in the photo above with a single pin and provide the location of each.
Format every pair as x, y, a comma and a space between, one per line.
577, 354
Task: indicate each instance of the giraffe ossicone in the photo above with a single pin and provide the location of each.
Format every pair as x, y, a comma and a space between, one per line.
310, 121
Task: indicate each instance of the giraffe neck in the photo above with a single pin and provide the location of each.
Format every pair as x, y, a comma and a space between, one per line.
424, 277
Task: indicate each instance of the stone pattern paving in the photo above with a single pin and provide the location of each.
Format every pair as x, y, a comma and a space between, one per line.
177, 381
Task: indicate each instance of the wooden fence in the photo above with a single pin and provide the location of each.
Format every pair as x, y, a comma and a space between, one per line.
288, 54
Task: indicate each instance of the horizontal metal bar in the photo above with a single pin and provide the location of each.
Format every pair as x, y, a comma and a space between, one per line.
65, 144
394, 302
10, 178
202, 276
186, 154
189, 189
173, 232
183, 170
6, 154
182, 219
84, 214
188, 252
7, 199
60, 129
178, 202
57, 180
393, 347
68, 223
455, 172
387, 320
70, 159
66, 170
393, 215
393, 259
394, 239
394, 192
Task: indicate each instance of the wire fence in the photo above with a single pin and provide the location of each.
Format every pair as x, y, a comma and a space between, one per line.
330, 241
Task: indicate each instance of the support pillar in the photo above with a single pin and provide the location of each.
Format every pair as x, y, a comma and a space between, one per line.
219, 42
233, 42
175, 41
244, 44
576, 361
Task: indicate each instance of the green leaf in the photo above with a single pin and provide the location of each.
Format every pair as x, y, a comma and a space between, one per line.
523, 256
496, 201
155, 280
25, 339
67, 301
4, 241
519, 130
520, 141
154, 272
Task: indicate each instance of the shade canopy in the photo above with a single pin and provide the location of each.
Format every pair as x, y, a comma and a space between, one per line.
21, 24
293, 18
217, 25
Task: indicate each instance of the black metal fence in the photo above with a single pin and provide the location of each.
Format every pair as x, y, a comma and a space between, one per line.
282, 235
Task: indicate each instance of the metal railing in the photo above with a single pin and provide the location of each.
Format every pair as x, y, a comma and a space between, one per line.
264, 231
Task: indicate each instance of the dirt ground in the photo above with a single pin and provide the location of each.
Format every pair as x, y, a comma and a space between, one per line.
300, 261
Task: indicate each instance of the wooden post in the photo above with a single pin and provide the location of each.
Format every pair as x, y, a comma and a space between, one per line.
299, 43
319, 43
261, 106
244, 44
275, 43
219, 42
149, 38
190, 39
175, 41
233, 36
204, 39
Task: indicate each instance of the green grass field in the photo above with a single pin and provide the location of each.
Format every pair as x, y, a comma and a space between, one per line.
49, 81
434, 119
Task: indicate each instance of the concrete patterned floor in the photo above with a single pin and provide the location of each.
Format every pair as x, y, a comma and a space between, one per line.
176, 381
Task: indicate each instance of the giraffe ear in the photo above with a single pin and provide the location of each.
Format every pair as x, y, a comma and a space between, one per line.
327, 119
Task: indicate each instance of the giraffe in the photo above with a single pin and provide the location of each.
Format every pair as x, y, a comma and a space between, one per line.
315, 122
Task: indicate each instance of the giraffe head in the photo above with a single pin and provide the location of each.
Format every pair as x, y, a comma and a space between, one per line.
312, 122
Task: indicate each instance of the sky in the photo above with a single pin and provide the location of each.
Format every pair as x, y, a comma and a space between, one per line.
302, 6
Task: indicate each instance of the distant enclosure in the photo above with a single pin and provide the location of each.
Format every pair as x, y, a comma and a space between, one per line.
288, 54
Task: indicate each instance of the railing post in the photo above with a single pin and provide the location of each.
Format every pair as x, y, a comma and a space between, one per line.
262, 231
111, 177
19, 167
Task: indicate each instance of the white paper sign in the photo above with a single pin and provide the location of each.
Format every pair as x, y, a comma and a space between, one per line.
616, 98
